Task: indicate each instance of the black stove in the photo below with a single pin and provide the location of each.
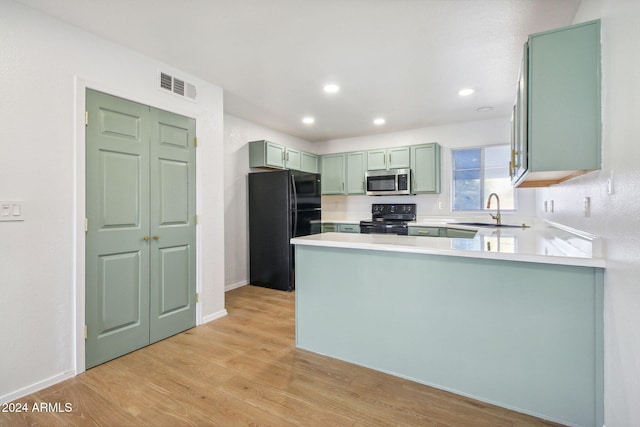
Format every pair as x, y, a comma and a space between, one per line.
389, 219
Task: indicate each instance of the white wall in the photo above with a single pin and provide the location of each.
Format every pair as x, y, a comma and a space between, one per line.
237, 133
459, 135
45, 66
616, 217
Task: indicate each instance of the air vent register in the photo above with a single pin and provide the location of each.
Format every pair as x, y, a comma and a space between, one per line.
177, 86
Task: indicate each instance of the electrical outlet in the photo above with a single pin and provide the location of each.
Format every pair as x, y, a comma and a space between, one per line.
587, 207
610, 183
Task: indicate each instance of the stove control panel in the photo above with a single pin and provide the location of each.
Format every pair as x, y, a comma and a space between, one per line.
403, 211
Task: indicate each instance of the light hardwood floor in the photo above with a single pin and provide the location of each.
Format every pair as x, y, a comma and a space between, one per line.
244, 369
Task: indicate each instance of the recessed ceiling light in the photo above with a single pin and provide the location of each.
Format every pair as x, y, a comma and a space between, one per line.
466, 92
379, 121
331, 88
484, 109
308, 120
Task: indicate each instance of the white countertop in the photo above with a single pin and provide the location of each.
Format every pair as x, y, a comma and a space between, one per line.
546, 243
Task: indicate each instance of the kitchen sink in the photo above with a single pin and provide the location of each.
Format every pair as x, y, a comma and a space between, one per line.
489, 224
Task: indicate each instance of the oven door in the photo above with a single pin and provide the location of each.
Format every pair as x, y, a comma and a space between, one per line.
374, 227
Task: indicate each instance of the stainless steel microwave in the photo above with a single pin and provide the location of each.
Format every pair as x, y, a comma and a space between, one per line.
388, 182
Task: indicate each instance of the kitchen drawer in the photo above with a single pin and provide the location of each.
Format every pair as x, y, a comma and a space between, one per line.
456, 232
424, 231
349, 228
329, 227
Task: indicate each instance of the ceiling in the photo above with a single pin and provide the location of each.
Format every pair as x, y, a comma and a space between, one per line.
403, 60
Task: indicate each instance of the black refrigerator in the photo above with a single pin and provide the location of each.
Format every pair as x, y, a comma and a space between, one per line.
282, 205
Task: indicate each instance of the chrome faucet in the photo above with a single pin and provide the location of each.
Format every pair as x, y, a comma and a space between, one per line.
497, 216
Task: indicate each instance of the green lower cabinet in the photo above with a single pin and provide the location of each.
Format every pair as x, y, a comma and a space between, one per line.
329, 227
349, 228
441, 232
521, 335
425, 231
458, 233
337, 227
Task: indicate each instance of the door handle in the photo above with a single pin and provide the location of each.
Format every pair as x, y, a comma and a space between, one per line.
146, 238
156, 238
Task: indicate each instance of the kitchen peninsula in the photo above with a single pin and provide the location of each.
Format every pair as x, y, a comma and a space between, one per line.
511, 316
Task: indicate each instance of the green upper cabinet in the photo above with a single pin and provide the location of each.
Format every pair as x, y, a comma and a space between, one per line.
332, 171
309, 162
562, 101
518, 163
356, 168
267, 154
293, 159
425, 168
376, 160
388, 158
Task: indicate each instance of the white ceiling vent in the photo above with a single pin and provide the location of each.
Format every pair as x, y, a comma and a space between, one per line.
177, 86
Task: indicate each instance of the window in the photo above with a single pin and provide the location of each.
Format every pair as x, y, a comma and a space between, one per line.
478, 172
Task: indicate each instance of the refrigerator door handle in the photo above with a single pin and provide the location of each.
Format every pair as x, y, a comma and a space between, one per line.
295, 206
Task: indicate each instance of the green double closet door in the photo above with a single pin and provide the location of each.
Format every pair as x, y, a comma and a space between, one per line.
140, 234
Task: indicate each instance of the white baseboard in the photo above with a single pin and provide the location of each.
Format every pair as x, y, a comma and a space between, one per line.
236, 285
214, 316
40, 385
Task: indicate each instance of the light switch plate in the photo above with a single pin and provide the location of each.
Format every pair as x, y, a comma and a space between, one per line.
11, 211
